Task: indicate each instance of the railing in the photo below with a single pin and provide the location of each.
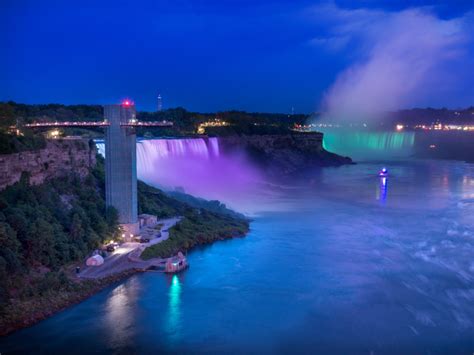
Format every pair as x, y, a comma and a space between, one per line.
68, 124
148, 124
99, 124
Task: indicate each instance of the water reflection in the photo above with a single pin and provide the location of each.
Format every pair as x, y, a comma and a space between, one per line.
173, 321
120, 314
381, 192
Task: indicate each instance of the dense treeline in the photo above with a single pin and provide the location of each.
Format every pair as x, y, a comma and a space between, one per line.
10, 142
241, 122
203, 222
185, 122
154, 201
56, 112
47, 226
429, 116
212, 205
196, 228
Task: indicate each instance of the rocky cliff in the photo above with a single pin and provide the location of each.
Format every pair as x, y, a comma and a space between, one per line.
285, 154
59, 158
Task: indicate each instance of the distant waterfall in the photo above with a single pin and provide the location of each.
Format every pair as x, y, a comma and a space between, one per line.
369, 144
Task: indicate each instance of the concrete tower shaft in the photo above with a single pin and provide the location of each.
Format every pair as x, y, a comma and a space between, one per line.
120, 164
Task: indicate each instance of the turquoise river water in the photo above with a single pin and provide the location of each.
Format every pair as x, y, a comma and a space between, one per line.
344, 262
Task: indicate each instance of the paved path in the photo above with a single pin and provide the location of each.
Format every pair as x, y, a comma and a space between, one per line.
127, 256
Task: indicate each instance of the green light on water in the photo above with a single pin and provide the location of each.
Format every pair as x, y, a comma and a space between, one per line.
174, 309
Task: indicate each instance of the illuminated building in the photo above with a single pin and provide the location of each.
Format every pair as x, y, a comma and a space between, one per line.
159, 106
216, 123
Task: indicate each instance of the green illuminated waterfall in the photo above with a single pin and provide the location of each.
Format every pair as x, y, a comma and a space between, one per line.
362, 144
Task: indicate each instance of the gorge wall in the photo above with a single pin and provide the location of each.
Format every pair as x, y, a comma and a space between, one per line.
287, 153
59, 158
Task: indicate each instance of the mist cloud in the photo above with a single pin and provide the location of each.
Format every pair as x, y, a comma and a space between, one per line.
399, 58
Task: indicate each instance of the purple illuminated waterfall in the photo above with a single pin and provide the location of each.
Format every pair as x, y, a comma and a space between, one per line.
152, 152
198, 166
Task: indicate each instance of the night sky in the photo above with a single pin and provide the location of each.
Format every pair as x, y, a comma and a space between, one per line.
250, 55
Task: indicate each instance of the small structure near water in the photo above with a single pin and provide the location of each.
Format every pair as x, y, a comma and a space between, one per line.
176, 263
147, 220
95, 260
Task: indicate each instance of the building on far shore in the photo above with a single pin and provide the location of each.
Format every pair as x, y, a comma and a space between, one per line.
159, 106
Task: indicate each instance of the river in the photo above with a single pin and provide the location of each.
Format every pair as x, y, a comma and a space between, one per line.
344, 262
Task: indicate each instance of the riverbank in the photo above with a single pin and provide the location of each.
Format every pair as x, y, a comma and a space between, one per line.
284, 154
46, 294
27, 312
197, 228
48, 229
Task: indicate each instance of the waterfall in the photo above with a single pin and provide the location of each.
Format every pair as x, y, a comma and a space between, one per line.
198, 166
369, 144
171, 148
151, 152
99, 143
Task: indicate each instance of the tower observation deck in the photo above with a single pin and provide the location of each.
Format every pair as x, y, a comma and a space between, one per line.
120, 158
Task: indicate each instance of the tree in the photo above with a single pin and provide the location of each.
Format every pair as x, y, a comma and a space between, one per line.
9, 247
7, 116
40, 243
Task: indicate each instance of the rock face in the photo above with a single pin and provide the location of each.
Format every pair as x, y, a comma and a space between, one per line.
59, 158
285, 154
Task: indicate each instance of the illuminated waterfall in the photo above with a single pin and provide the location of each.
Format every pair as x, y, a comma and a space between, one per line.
198, 166
150, 152
171, 148
369, 144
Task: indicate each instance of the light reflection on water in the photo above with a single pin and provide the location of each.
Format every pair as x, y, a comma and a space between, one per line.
119, 315
381, 190
173, 323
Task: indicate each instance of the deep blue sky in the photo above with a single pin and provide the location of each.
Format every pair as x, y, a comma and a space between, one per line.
202, 55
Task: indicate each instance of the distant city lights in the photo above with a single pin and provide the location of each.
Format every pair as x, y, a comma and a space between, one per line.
53, 134
215, 123
449, 127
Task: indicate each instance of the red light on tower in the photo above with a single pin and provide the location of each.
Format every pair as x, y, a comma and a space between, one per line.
127, 102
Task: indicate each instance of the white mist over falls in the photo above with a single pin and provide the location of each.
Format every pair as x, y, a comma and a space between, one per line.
400, 59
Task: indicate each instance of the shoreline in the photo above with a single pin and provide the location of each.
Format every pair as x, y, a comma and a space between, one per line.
76, 298
90, 287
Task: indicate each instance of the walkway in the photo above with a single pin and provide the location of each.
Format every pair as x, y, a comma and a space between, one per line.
127, 256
